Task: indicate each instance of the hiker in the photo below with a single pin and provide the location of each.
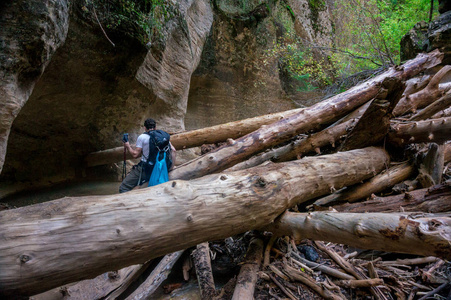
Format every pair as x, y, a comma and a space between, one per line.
146, 147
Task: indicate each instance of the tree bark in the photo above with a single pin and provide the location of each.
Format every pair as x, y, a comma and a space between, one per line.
379, 112
299, 147
431, 168
101, 287
416, 84
376, 184
430, 200
437, 106
247, 278
424, 97
158, 275
442, 114
432, 130
92, 235
202, 264
392, 232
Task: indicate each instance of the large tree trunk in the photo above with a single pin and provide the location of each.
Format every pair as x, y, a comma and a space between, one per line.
393, 232
339, 105
50, 244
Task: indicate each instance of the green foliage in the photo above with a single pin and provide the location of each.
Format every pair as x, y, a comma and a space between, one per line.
371, 30
299, 62
144, 19
367, 36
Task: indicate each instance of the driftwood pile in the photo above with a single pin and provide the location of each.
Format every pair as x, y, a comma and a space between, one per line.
365, 169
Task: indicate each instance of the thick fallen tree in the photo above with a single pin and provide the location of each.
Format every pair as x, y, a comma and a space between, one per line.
61, 241
293, 122
396, 232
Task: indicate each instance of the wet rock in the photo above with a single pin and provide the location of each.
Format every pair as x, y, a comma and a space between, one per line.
309, 252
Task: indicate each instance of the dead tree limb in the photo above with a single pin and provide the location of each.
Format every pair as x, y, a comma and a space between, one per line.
359, 283
311, 283
394, 232
416, 84
432, 130
442, 114
376, 184
423, 97
247, 278
158, 275
299, 147
348, 267
431, 200
437, 106
202, 264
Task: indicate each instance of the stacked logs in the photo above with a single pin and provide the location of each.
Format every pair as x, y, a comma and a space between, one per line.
386, 135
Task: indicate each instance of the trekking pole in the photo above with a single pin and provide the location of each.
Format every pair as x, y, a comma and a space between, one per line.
124, 166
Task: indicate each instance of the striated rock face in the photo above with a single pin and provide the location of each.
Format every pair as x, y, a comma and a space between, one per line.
234, 76
92, 92
167, 71
30, 32
208, 69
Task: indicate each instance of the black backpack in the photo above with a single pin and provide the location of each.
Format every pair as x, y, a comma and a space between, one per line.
158, 145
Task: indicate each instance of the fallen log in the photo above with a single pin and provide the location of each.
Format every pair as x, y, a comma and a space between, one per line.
274, 134
298, 148
393, 232
434, 108
198, 137
442, 114
322, 113
95, 234
103, 286
360, 94
432, 130
158, 275
247, 278
431, 200
376, 184
202, 264
423, 97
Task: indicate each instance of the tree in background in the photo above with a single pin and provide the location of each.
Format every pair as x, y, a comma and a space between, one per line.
367, 35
